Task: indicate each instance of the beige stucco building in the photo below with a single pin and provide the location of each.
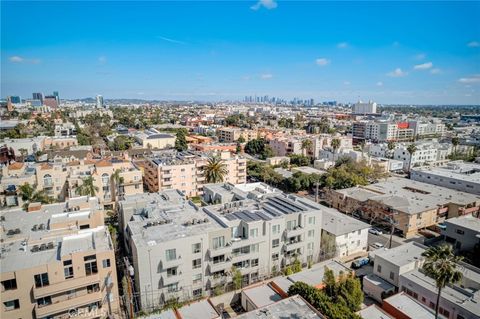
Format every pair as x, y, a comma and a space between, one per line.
232, 134
57, 261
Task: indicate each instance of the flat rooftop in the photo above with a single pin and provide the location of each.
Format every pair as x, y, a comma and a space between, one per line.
262, 295
314, 276
338, 224
200, 309
468, 222
308, 170
292, 307
408, 306
402, 255
374, 312
160, 217
464, 171
409, 196
464, 299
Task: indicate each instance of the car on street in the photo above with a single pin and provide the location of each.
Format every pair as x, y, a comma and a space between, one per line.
375, 231
377, 245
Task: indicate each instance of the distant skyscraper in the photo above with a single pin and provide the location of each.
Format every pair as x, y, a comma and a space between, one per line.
15, 99
38, 96
365, 108
99, 101
55, 93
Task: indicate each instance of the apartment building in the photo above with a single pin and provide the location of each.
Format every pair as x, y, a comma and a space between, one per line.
424, 128
382, 131
57, 261
232, 134
183, 251
462, 232
287, 145
184, 171
459, 175
65, 129
11, 178
364, 107
153, 139
426, 154
411, 205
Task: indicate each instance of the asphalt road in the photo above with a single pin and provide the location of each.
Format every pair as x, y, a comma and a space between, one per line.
384, 239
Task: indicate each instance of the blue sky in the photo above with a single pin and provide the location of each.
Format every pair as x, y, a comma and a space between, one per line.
392, 52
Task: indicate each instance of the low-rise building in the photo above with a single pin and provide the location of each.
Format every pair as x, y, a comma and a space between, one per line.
232, 134
153, 139
462, 232
57, 260
457, 175
411, 205
402, 306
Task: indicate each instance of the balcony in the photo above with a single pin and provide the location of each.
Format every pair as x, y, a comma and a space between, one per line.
168, 280
293, 245
167, 182
65, 285
61, 306
226, 265
171, 263
219, 251
169, 175
297, 230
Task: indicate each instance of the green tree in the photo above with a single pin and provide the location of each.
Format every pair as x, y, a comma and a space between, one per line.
87, 188
29, 195
288, 271
241, 139
441, 265
297, 266
215, 170
236, 278
455, 142
299, 160
335, 144
307, 146
391, 146
118, 181
238, 149
122, 143
411, 149
330, 282
181, 140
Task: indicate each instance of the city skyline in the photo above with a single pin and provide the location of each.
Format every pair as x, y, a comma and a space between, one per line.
406, 54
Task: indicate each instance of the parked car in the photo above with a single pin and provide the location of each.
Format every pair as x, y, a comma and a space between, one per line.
359, 263
377, 245
375, 231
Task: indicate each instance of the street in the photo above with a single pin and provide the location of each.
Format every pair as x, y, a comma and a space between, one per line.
384, 240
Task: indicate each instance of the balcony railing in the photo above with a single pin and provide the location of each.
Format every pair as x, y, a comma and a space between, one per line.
65, 305
65, 285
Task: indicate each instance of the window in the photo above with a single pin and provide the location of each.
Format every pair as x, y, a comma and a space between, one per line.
242, 264
275, 257
68, 269
172, 287
197, 278
218, 259
105, 179
311, 233
291, 225
90, 264
254, 262
444, 312
254, 248
170, 254
93, 288
254, 233
11, 305
379, 268
459, 231
172, 272
44, 301
197, 292
275, 243
432, 305
275, 229
196, 248
218, 242
392, 275
9, 284
311, 220
47, 180
310, 246
106, 263
196, 263
41, 280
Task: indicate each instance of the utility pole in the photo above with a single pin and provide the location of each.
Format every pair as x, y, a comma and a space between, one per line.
316, 191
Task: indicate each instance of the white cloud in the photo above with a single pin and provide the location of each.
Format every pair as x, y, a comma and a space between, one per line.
19, 59
470, 79
379, 83
423, 66
435, 71
102, 59
342, 45
266, 76
267, 4
397, 73
473, 44
322, 61
171, 40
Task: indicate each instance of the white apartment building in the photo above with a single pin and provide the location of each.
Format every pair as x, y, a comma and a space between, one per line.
422, 128
365, 107
183, 251
382, 131
427, 153
459, 175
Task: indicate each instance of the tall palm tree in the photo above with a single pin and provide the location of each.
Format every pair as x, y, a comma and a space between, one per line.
441, 265
307, 146
215, 170
335, 144
87, 188
455, 142
29, 195
412, 148
391, 146
117, 180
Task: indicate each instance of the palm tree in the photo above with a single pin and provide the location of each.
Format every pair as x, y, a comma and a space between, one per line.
335, 144
455, 142
411, 149
29, 195
215, 170
441, 265
23, 153
391, 146
87, 188
307, 146
117, 180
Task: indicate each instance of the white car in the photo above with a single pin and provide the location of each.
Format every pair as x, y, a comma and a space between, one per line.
377, 245
375, 231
